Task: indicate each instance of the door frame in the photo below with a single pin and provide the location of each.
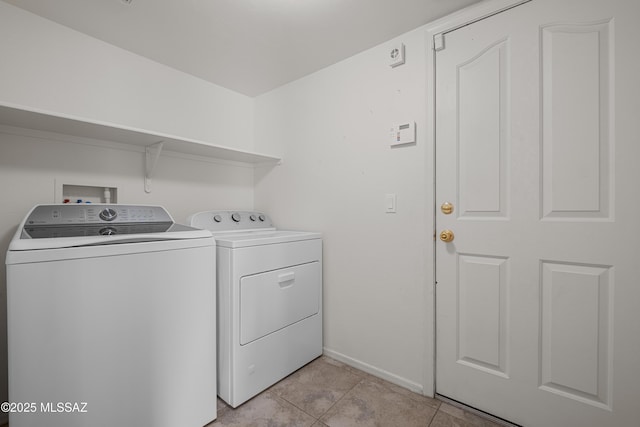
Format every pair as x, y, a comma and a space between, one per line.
441, 26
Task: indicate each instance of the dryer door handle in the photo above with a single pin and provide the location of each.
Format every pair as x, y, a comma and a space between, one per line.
286, 280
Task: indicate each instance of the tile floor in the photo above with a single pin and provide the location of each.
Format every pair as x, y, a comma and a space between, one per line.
328, 393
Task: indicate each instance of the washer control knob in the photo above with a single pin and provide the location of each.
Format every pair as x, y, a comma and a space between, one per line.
252, 217
108, 231
217, 218
108, 214
235, 216
261, 217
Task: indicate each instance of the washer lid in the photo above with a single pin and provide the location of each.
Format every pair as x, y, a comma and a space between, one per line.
257, 238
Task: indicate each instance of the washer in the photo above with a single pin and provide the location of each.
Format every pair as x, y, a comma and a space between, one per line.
111, 314
269, 285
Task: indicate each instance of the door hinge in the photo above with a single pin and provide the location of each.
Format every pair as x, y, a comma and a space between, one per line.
438, 42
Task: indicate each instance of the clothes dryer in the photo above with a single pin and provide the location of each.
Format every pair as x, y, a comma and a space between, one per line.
269, 285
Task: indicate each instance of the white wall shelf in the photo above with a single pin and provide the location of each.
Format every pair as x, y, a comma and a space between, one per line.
50, 122
153, 142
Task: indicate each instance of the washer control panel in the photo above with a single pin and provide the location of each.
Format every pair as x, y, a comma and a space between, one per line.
76, 214
230, 220
66, 220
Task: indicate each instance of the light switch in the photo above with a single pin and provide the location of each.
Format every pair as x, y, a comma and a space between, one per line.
390, 203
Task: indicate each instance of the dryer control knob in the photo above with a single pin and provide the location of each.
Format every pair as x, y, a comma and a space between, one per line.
261, 217
217, 218
108, 214
235, 216
252, 217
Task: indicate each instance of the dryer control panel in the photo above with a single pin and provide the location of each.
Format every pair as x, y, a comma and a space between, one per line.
231, 221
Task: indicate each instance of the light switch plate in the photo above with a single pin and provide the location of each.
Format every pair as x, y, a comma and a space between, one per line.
390, 203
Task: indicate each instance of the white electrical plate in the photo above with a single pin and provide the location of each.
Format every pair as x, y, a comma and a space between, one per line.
390, 203
402, 133
396, 55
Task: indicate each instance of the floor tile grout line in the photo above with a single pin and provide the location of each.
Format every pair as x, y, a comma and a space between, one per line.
298, 408
345, 393
362, 378
436, 412
434, 416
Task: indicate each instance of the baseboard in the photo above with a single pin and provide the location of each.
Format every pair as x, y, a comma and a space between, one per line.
376, 372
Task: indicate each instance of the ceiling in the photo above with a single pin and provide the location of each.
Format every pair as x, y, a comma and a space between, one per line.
249, 46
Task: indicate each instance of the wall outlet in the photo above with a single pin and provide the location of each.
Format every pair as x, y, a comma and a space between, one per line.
396, 55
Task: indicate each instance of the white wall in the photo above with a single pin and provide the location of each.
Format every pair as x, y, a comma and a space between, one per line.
332, 130
49, 67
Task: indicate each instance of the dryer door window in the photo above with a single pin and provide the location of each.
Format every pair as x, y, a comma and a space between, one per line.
276, 299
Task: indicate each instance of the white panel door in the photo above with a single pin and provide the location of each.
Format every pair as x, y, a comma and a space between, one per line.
537, 149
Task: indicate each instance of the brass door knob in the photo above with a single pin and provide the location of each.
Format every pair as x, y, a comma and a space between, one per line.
446, 236
446, 208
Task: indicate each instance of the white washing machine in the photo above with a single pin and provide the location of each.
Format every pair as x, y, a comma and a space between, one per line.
111, 315
269, 301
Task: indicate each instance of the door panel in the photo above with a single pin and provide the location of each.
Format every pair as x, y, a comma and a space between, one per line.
576, 297
576, 111
482, 328
536, 147
482, 96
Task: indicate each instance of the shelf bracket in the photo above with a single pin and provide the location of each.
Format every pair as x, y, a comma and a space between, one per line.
151, 156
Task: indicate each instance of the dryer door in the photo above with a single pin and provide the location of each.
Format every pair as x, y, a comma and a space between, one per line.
276, 299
